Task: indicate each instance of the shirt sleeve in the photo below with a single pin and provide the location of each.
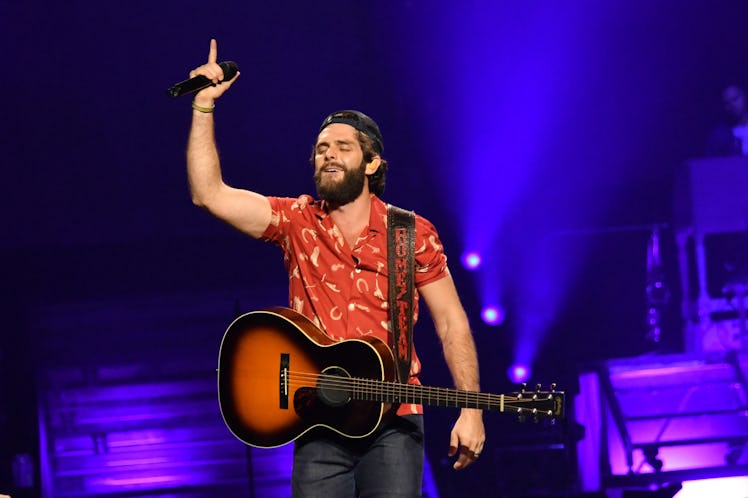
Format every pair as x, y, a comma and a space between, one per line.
431, 261
285, 211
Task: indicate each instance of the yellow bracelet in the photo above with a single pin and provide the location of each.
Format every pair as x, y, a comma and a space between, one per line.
203, 109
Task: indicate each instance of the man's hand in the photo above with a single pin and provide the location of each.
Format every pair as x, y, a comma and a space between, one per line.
211, 70
468, 436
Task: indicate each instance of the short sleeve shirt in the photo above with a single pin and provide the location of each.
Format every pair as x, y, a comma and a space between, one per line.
343, 290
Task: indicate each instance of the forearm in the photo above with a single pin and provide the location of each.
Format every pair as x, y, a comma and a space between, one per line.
461, 356
468, 434
203, 164
453, 328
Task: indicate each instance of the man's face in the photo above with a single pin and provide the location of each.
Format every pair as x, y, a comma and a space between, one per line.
339, 168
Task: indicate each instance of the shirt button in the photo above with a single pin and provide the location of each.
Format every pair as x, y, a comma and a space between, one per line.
358, 270
351, 306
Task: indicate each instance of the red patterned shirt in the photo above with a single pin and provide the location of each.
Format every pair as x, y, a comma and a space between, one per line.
343, 290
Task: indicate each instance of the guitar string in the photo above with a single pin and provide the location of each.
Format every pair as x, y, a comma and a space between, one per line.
334, 381
364, 386
441, 397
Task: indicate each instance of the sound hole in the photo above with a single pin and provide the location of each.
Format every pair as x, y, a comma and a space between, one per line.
331, 391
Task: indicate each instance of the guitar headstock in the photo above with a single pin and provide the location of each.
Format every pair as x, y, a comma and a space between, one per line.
538, 404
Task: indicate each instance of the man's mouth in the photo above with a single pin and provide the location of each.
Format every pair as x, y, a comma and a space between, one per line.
332, 169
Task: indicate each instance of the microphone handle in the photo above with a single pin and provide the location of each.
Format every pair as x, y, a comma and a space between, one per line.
192, 85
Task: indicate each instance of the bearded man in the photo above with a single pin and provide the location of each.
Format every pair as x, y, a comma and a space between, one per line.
335, 251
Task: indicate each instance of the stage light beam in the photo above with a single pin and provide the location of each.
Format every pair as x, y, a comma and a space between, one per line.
493, 315
519, 373
471, 260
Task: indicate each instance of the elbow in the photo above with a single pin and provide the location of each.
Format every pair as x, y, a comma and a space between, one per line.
209, 199
202, 197
198, 200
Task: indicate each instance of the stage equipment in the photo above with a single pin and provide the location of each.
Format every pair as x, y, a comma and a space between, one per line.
657, 291
663, 419
710, 215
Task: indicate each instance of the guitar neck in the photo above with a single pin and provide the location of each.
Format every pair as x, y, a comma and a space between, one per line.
394, 392
541, 403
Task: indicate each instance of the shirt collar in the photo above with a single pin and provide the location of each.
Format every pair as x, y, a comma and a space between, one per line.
377, 213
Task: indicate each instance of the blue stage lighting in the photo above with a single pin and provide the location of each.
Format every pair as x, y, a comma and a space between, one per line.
471, 260
493, 315
519, 373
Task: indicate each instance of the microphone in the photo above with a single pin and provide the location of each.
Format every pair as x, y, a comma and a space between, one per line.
197, 83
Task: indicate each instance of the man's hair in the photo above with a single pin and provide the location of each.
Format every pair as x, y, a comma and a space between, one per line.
361, 122
376, 179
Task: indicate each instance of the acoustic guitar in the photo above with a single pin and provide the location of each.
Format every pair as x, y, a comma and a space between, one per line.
280, 377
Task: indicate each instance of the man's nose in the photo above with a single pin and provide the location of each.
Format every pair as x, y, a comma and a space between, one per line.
331, 152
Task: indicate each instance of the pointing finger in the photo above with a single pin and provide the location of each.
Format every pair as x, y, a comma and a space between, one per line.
213, 53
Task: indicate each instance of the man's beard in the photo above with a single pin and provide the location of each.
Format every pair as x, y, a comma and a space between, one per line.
339, 193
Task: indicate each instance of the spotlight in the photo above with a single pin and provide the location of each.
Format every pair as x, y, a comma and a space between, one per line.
471, 260
492, 315
518, 373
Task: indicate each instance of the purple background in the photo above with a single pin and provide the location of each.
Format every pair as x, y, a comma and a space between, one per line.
546, 135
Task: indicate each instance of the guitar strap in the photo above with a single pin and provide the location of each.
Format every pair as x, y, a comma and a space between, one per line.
401, 241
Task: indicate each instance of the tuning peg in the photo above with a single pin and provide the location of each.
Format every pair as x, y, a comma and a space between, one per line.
524, 386
538, 387
553, 387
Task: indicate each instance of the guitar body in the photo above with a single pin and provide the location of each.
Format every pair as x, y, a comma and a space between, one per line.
265, 405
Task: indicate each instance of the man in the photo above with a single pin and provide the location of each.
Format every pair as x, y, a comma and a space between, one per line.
335, 253
730, 138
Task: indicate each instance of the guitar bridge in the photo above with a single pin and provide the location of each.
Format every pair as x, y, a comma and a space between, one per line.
283, 385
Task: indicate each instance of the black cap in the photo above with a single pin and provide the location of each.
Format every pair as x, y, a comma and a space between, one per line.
360, 121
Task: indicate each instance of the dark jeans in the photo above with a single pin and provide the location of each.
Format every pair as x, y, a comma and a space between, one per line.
387, 464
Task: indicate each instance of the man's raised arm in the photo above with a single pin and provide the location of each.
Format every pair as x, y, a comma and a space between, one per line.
247, 211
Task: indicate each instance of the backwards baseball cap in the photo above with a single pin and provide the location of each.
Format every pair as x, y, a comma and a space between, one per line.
358, 120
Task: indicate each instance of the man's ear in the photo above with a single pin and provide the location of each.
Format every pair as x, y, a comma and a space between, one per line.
372, 166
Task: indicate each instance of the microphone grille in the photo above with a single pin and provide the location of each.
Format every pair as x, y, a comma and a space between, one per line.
229, 69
